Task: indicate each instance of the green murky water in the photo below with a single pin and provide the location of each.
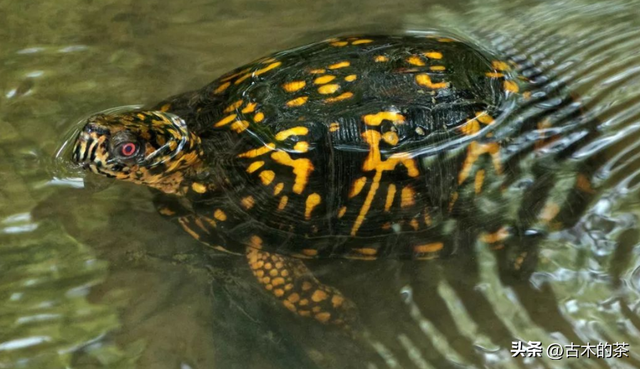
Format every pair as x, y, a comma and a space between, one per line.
92, 277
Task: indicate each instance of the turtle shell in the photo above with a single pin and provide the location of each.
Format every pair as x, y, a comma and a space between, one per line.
365, 147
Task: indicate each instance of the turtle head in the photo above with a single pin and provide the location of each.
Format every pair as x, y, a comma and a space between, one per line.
146, 147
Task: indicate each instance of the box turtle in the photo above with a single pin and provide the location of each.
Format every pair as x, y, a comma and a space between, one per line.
367, 147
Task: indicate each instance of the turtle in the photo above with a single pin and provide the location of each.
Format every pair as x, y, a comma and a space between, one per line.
359, 147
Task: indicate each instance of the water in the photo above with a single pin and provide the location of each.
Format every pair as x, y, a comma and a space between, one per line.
92, 277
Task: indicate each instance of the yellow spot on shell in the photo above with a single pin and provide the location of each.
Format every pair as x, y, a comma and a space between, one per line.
500, 65
165, 107
258, 72
341, 97
297, 101
301, 169
222, 87
267, 177
249, 108
199, 187
361, 41
433, 54
293, 86
407, 197
233, 106
312, 201
324, 79
479, 181
437, 68
294, 297
283, 203
242, 79
358, 185
301, 146
484, 117
339, 43
390, 137
366, 251
391, 193
415, 60
226, 120
446, 39
428, 248
343, 64
376, 119
380, 58
317, 71
470, 127
511, 86
257, 152
220, 215
328, 89
254, 166
258, 117
350, 78
267, 68
308, 252
295, 131
334, 127
494, 74
278, 189
425, 80
342, 211
239, 126
234, 75
247, 202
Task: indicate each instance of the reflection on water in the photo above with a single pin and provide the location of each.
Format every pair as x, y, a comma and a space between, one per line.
98, 279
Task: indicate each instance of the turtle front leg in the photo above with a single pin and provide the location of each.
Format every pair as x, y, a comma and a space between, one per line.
293, 284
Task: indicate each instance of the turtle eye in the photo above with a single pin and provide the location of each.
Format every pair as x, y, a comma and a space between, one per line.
128, 149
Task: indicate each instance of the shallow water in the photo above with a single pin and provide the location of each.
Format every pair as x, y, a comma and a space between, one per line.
92, 277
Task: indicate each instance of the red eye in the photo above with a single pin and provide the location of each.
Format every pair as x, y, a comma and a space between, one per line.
128, 149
